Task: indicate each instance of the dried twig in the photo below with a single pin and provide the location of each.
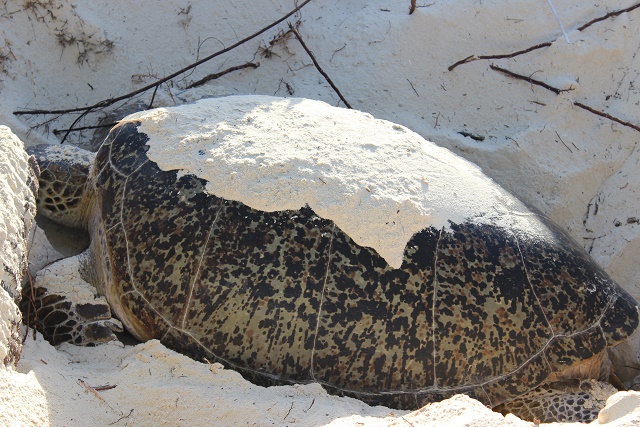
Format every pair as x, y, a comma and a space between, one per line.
288, 412
501, 56
122, 417
336, 51
558, 91
31, 297
414, 89
472, 58
104, 387
315, 62
607, 16
563, 143
92, 391
312, 402
222, 73
529, 79
472, 136
59, 131
407, 421
156, 84
606, 116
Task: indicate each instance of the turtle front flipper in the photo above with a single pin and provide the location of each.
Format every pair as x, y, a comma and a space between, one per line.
571, 400
65, 308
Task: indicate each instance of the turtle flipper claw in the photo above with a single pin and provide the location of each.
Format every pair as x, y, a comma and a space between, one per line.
65, 308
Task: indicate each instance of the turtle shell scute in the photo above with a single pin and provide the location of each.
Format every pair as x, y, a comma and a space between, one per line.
287, 296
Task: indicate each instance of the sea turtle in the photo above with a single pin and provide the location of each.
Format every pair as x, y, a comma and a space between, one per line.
486, 298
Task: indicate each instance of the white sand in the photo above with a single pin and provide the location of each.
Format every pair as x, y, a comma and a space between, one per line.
17, 217
379, 182
578, 168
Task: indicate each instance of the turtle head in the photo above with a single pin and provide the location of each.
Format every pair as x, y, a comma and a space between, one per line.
63, 196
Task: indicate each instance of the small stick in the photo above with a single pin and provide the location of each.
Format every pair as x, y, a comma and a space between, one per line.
104, 387
472, 136
122, 417
59, 131
156, 84
516, 142
463, 61
84, 113
92, 391
336, 51
222, 73
472, 58
558, 91
31, 299
563, 143
607, 116
288, 412
107, 102
407, 421
320, 70
414, 89
608, 15
528, 79
153, 97
520, 52
502, 56
412, 8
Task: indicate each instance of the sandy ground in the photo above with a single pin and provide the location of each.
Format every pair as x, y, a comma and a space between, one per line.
550, 149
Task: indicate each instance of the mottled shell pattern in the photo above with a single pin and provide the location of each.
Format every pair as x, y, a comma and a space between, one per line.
288, 297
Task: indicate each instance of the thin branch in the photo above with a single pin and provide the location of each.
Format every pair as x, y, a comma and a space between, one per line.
502, 56
558, 91
80, 117
315, 62
463, 61
608, 15
59, 131
92, 391
472, 58
31, 298
472, 136
122, 417
563, 143
520, 52
153, 97
222, 73
606, 116
529, 79
104, 387
414, 89
288, 412
110, 101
